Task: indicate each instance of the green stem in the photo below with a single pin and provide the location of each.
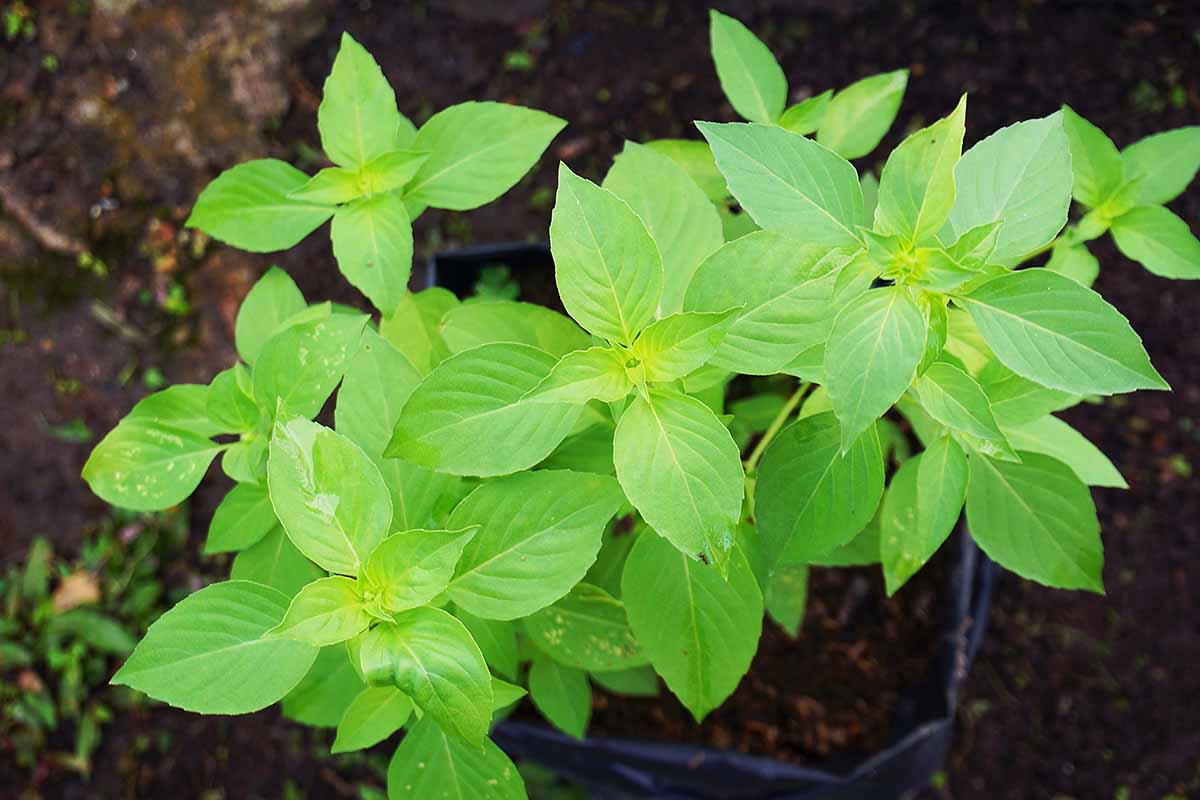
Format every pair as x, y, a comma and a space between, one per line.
776, 424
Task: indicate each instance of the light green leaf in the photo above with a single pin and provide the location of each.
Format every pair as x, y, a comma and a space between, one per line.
391, 171
681, 343
328, 495
697, 161
805, 117
920, 509
300, 366
146, 465
413, 327
750, 76
1055, 438
635, 682
497, 640
1159, 241
597, 373
788, 182
1163, 164
540, 531
430, 765
683, 222
953, 398
230, 405
1074, 261
357, 117
271, 300
470, 415
208, 654
248, 207
789, 292
377, 384
330, 186
1021, 176
562, 695
321, 699
243, 517
410, 568
699, 629
477, 152
431, 657
809, 496
859, 115
377, 713
606, 264
590, 450
274, 561
1053, 331
326, 611
786, 596
916, 187
1015, 399
372, 242
1036, 518
874, 348
682, 471
183, 406
1095, 162
473, 324
586, 629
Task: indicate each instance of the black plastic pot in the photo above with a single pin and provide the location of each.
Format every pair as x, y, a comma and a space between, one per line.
617, 768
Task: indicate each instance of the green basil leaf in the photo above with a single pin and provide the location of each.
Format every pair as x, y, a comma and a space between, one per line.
1015, 399
326, 611
750, 76
146, 465
539, 533
413, 327
377, 713
697, 161
809, 496
788, 182
243, 517
590, 450
586, 629
328, 495
391, 171
1055, 438
679, 344
916, 187
1036, 518
1074, 261
682, 221
953, 398
410, 568
874, 348
474, 324
682, 471
805, 117
789, 298
274, 561
301, 365
606, 264
273, 299
634, 682
597, 373
470, 416
431, 657
497, 640
1021, 176
330, 186
786, 596
429, 763
321, 699
699, 629
1159, 241
1163, 164
1053, 331
920, 509
859, 115
477, 152
248, 207
230, 405
208, 654
562, 695
373, 245
1095, 162
357, 118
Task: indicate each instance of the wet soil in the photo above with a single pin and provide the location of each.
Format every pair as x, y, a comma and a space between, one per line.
1073, 695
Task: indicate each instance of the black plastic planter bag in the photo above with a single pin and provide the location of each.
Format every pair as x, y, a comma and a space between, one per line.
625, 768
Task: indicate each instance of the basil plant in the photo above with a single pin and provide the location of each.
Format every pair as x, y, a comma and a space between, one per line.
768, 362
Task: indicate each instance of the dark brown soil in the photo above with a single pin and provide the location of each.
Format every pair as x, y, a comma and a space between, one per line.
1073, 695
830, 692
